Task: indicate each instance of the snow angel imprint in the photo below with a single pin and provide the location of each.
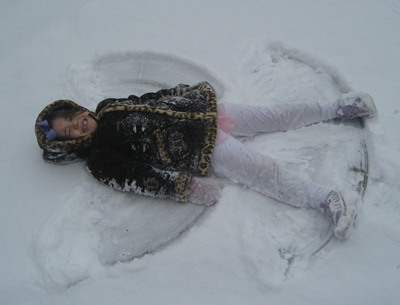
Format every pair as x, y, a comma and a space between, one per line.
162, 144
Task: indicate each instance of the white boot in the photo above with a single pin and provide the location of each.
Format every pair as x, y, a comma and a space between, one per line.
339, 214
355, 104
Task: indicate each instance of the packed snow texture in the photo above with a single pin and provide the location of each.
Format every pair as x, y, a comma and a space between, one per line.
67, 239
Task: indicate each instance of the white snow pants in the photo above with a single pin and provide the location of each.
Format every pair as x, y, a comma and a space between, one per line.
239, 163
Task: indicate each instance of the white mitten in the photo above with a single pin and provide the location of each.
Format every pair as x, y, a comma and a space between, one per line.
202, 192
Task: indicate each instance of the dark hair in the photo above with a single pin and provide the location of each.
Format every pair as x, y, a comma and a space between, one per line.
62, 112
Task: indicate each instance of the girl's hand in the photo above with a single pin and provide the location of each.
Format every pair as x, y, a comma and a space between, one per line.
203, 192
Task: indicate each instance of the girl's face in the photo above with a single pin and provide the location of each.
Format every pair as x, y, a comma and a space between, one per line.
78, 125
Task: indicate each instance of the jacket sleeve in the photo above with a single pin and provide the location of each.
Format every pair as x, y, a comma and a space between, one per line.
180, 90
184, 89
126, 175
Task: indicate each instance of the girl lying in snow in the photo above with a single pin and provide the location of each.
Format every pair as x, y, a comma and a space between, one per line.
160, 143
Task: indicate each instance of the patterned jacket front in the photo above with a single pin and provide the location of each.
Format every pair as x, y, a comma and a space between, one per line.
153, 144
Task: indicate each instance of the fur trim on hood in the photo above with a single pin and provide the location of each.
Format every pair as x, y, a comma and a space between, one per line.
62, 151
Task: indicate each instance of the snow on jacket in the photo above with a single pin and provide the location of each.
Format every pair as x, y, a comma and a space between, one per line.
150, 145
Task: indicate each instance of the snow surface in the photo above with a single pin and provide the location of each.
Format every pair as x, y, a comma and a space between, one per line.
63, 234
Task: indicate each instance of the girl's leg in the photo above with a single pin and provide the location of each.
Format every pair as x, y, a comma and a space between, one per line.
233, 160
250, 120
240, 164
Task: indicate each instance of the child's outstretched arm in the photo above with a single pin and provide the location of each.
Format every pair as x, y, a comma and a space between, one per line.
126, 175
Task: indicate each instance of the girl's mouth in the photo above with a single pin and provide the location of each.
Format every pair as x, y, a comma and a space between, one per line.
84, 125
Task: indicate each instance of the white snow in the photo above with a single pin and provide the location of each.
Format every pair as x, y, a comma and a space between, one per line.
65, 238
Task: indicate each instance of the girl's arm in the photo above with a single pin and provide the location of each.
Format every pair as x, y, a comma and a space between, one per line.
126, 175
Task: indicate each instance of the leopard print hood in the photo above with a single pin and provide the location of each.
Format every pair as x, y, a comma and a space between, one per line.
58, 151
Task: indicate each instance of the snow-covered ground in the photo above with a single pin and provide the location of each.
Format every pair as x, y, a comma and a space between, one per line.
66, 239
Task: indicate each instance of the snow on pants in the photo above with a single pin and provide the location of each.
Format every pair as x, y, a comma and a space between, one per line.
239, 163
